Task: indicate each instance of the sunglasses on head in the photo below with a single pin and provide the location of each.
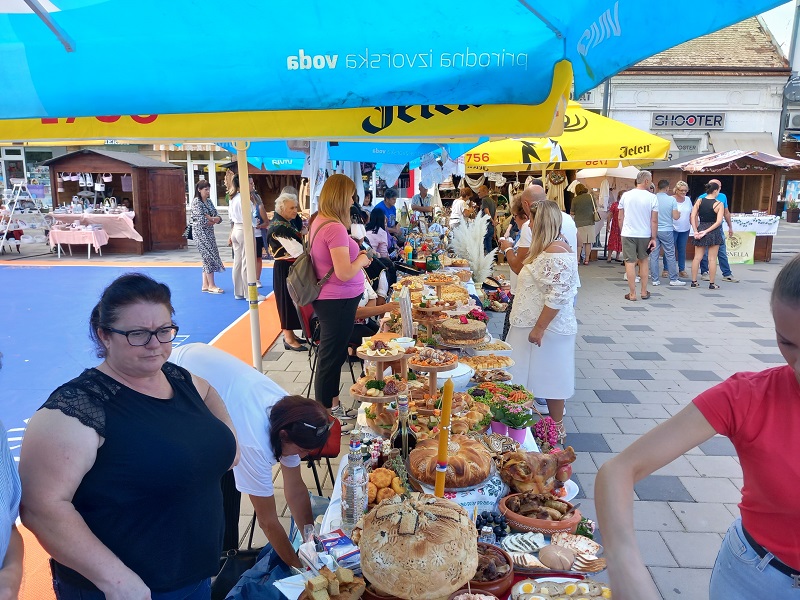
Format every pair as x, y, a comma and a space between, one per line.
319, 430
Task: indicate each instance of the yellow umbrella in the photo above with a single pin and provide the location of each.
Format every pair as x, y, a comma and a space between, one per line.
589, 140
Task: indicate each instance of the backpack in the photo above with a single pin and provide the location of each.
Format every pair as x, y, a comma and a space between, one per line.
302, 283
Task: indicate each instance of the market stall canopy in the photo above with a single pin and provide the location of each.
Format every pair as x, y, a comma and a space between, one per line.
80, 58
698, 164
629, 172
589, 140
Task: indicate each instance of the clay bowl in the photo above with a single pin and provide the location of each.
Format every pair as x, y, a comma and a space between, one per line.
519, 523
474, 591
498, 587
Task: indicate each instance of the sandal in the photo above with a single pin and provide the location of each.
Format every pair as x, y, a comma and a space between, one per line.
215, 290
628, 297
713, 286
646, 296
694, 284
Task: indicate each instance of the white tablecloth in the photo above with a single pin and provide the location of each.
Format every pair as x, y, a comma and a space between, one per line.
761, 225
485, 497
91, 237
116, 225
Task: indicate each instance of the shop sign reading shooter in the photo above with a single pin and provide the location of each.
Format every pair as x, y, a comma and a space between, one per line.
671, 120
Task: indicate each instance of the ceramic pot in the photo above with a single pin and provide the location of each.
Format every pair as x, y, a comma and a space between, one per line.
518, 435
499, 428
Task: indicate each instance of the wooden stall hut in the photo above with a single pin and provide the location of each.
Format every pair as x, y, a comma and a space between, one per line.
152, 189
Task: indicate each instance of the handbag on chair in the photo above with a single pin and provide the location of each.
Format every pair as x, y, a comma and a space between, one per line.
236, 562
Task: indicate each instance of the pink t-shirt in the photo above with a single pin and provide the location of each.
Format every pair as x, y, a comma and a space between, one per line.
332, 236
760, 413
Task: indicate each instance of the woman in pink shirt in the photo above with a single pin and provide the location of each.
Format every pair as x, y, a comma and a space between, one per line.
335, 253
376, 233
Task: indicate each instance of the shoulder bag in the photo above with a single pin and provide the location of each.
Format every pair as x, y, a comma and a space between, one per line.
302, 283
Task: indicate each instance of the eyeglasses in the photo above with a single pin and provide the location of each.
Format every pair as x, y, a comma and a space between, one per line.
322, 429
142, 337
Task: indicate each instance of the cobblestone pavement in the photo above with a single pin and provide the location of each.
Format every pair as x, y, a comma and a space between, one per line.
637, 365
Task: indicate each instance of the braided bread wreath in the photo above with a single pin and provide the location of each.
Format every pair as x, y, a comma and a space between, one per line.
468, 462
419, 548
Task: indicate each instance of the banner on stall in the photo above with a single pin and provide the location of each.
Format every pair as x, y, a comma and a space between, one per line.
741, 247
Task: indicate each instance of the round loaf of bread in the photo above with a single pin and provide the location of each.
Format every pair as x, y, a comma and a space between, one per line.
468, 462
420, 548
456, 331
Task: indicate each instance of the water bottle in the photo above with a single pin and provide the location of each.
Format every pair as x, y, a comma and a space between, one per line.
354, 487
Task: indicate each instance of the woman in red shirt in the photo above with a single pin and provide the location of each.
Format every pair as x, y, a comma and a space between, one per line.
760, 413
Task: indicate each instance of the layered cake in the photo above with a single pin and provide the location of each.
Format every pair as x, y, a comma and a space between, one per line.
457, 329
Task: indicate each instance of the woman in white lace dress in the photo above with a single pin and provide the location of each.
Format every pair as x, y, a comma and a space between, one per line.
543, 325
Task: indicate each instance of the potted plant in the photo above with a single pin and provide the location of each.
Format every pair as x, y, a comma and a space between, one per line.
792, 212
514, 416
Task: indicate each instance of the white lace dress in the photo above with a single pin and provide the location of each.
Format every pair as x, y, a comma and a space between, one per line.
548, 371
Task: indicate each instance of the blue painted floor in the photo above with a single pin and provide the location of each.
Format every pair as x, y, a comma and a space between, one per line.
44, 317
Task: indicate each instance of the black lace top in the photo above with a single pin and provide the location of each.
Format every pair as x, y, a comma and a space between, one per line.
153, 495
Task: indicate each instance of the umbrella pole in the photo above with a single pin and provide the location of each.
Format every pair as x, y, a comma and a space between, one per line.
249, 251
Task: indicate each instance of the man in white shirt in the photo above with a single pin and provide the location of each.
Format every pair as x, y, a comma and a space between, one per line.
422, 202
250, 397
638, 221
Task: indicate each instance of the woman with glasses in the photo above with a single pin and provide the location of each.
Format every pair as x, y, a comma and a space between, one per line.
121, 466
204, 217
272, 427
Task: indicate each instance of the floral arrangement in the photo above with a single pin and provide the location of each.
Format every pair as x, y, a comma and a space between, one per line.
513, 415
476, 314
546, 434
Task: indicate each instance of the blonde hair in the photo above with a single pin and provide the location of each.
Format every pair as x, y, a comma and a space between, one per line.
680, 184
545, 228
336, 198
465, 193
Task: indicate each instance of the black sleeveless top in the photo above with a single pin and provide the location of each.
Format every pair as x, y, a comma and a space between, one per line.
706, 214
153, 495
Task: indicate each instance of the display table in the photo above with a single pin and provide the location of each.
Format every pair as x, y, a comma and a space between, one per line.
764, 226
116, 225
485, 497
91, 237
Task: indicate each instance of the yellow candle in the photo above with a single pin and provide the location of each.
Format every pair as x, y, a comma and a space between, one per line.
444, 438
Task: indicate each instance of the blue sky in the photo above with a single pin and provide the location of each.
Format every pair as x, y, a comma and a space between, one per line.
779, 20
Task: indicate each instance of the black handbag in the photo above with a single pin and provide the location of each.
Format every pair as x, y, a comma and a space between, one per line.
234, 564
187, 233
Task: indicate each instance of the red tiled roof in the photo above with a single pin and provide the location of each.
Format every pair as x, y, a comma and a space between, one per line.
745, 45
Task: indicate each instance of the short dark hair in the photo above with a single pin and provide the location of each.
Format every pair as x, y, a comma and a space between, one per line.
663, 184
787, 284
711, 187
125, 290
302, 419
580, 189
537, 181
390, 193
201, 185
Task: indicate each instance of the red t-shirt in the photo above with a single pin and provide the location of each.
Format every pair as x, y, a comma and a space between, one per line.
760, 413
334, 235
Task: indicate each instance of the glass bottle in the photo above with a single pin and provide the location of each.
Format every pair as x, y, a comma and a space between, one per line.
403, 437
487, 535
354, 487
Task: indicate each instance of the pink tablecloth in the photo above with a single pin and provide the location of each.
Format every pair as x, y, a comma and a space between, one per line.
96, 238
115, 225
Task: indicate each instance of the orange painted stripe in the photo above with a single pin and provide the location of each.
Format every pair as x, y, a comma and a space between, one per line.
88, 263
37, 583
235, 340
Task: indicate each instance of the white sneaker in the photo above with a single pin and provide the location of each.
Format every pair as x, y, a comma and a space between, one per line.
625, 278
677, 283
652, 281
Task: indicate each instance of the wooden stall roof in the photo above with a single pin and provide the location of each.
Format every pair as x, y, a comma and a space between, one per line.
130, 158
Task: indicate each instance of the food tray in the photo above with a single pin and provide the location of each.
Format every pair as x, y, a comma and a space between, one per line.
377, 358
374, 399
428, 369
468, 361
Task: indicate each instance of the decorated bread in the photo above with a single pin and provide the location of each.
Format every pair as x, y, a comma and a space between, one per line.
468, 462
462, 330
420, 548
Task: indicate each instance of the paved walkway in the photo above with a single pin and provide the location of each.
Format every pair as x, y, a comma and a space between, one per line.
637, 365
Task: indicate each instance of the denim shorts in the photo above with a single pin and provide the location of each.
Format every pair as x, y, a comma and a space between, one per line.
196, 591
740, 573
